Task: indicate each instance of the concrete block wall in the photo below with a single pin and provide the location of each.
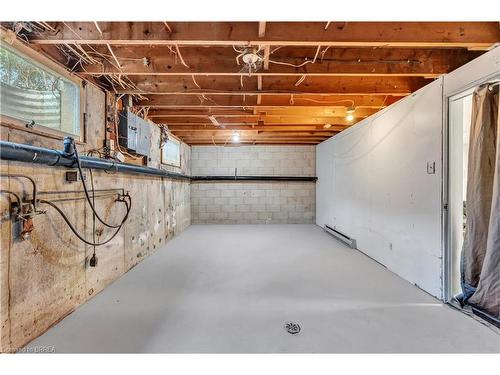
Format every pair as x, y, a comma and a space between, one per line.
253, 160
253, 202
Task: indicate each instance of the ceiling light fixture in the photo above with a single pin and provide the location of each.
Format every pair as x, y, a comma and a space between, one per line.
236, 137
350, 113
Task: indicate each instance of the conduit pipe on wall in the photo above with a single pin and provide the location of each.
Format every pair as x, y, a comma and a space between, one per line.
50, 157
40, 155
254, 178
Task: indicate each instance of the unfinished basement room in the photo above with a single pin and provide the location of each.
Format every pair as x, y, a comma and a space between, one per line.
249, 187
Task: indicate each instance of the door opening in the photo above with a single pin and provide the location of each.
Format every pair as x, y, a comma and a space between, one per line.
460, 111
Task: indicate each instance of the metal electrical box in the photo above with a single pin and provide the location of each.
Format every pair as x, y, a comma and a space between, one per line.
134, 133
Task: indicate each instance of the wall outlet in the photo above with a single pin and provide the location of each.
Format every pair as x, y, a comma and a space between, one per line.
74, 176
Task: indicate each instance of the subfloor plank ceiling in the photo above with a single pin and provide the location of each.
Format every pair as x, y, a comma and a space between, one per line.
271, 82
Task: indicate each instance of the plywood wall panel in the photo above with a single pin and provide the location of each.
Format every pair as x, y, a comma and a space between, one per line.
95, 112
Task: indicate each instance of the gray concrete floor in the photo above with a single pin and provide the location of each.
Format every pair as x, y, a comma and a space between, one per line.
231, 288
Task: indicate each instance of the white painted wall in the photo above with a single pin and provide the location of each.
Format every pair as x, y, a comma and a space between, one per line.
374, 178
373, 183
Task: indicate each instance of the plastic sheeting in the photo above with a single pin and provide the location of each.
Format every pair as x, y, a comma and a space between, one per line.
481, 251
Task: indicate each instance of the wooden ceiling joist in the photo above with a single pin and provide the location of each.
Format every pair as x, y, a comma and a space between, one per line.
249, 93
280, 101
313, 84
280, 128
472, 35
227, 143
310, 77
162, 60
268, 112
254, 120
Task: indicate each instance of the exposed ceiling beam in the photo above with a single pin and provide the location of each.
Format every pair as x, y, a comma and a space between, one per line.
267, 110
341, 85
160, 60
378, 101
186, 72
264, 112
264, 133
341, 34
250, 142
254, 120
253, 137
251, 133
279, 128
286, 94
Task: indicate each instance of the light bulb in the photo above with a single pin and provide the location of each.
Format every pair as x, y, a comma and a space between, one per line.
327, 126
350, 113
236, 137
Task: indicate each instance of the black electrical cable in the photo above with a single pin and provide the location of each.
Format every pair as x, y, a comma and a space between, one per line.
32, 183
93, 216
18, 198
73, 229
87, 193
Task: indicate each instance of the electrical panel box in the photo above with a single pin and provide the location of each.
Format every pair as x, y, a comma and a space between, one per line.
134, 133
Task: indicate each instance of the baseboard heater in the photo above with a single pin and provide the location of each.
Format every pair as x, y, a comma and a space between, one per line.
341, 236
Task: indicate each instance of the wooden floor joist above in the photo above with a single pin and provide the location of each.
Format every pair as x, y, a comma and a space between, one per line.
272, 82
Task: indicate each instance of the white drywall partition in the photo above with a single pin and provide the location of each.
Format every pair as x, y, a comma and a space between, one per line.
374, 186
373, 183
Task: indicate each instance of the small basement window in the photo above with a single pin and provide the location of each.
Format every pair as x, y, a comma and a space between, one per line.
36, 95
171, 152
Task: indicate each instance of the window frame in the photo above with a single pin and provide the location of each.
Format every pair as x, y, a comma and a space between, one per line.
26, 51
166, 162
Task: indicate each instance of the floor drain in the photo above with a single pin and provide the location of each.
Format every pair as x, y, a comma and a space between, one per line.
292, 328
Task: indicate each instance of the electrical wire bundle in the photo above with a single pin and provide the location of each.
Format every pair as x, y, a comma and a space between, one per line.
126, 199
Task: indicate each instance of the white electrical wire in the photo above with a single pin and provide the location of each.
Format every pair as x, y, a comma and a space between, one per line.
298, 65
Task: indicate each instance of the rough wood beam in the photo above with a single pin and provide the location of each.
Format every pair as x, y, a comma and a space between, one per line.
267, 112
286, 94
254, 120
340, 34
274, 143
280, 128
344, 85
298, 101
334, 62
256, 124
272, 133
223, 138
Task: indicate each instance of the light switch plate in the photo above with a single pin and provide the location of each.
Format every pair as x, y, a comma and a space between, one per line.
431, 167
